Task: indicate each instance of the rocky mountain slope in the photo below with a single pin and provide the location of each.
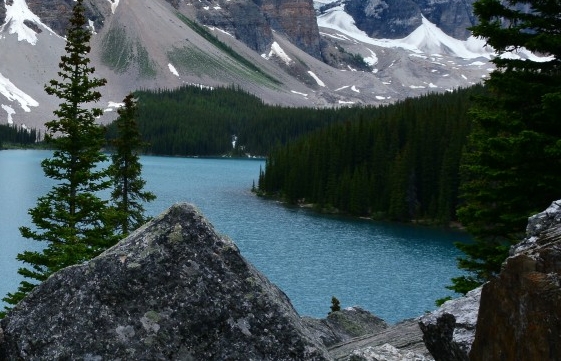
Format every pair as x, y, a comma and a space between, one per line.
288, 52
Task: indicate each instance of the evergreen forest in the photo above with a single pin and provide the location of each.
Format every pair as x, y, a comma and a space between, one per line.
398, 162
200, 121
17, 135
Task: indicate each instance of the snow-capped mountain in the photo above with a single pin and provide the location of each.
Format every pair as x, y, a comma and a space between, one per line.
288, 52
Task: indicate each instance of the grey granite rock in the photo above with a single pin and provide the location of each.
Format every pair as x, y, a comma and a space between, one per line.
449, 331
172, 290
520, 313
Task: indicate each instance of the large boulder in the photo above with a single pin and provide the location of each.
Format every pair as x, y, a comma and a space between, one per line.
172, 290
449, 331
520, 312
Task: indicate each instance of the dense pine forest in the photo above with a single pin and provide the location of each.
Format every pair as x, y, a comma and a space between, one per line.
205, 122
398, 162
17, 136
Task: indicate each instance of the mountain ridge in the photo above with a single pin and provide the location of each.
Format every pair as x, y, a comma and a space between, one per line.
169, 43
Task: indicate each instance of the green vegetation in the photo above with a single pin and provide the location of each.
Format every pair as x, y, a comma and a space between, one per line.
11, 135
120, 53
512, 160
117, 50
71, 219
335, 305
146, 66
240, 62
396, 162
201, 121
128, 195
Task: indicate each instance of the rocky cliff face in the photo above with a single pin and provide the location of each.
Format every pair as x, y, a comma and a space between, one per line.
398, 18
253, 22
174, 289
55, 13
244, 20
520, 312
297, 19
2, 12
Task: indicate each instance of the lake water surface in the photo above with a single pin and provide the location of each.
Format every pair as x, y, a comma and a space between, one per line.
395, 271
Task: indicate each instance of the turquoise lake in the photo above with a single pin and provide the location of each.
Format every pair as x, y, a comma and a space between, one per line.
393, 270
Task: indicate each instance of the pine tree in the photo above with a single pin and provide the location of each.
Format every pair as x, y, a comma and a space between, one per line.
511, 166
71, 219
128, 194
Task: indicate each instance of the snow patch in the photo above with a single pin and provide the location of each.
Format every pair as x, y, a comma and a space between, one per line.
16, 14
212, 28
10, 112
295, 92
173, 70
318, 80
10, 91
343, 87
345, 102
427, 38
277, 50
431, 85
465, 77
91, 25
111, 106
372, 59
114, 4
417, 86
379, 97
355, 89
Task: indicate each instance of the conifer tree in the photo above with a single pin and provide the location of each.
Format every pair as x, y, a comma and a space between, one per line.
511, 166
71, 219
128, 194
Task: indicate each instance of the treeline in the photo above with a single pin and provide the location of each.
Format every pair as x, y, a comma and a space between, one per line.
398, 162
201, 121
18, 135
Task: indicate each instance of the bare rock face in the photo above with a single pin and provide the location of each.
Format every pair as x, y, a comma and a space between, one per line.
253, 22
56, 13
520, 313
296, 19
172, 290
243, 19
449, 331
2, 12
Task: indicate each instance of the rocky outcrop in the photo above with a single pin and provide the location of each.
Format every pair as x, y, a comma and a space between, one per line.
398, 18
402, 341
172, 290
243, 19
56, 13
343, 325
253, 22
520, 312
448, 332
296, 19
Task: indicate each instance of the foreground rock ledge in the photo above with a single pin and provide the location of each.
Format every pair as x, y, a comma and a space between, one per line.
172, 290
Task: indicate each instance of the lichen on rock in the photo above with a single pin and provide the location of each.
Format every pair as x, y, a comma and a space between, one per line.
174, 289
